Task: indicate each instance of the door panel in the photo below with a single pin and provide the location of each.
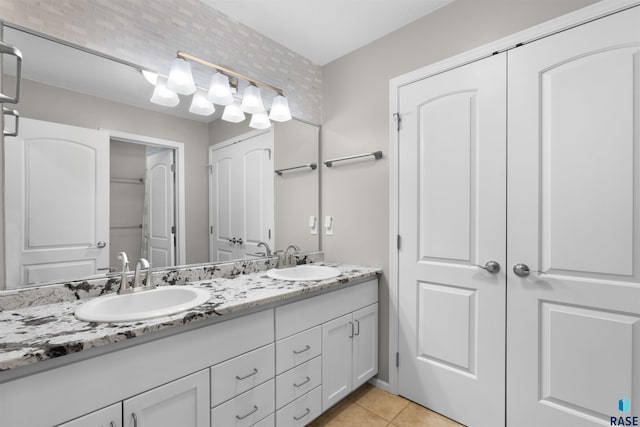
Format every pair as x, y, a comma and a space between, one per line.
452, 211
160, 214
57, 202
221, 204
574, 219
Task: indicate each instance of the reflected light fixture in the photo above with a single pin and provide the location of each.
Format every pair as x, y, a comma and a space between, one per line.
180, 78
252, 100
280, 109
220, 91
201, 105
150, 76
233, 113
260, 121
163, 96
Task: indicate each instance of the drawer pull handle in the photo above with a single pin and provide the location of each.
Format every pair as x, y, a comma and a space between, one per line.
112, 424
357, 327
255, 371
135, 419
307, 412
302, 383
255, 409
351, 326
306, 348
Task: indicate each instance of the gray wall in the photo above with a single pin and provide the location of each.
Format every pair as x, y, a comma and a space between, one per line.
296, 192
44, 102
355, 108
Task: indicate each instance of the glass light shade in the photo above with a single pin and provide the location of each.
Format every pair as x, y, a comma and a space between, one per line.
219, 90
280, 109
233, 113
252, 100
180, 78
163, 96
201, 105
150, 76
260, 121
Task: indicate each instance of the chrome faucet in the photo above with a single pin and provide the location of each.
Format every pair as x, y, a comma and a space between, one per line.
266, 248
137, 282
124, 282
288, 259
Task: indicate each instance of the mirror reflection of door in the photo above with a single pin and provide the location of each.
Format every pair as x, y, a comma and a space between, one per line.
57, 202
241, 198
142, 203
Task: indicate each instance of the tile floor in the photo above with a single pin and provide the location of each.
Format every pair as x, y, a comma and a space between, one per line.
370, 406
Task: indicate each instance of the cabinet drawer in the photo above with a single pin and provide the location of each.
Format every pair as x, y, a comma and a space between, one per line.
246, 409
111, 416
235, 376
298, 381
298, 349
301, 411
268, 421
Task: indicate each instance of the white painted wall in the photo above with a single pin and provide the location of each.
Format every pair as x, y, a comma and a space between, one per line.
355, 101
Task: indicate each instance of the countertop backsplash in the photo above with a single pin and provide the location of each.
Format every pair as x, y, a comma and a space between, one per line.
88, 288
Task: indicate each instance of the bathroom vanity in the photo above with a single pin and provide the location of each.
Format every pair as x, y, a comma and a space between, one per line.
260, 352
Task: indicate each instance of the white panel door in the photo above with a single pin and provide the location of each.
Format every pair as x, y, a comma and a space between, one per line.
241, 197
337, 355
255, 214
160, 213
365, 345
573, 328
452, 209
56, 202
184, 403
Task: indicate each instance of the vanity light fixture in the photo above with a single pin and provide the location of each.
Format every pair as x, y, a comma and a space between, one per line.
201, 105
260, 121
219, 89
233, 113
163, 96
150, 76
220, 92
252, 100
180, 78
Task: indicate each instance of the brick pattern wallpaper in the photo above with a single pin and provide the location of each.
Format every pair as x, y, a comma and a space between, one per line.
150, 32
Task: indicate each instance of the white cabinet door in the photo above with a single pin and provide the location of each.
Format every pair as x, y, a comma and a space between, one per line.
574, 219
111, 416
56, 202
336, 360
365, 345
184, 403
452, 162
241, 197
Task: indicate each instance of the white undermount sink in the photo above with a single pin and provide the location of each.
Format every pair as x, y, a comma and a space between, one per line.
161, 301
304, 272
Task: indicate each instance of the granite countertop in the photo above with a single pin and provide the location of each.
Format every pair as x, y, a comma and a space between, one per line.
32, 334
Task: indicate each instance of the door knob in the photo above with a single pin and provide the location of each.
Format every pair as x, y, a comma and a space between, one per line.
521, 270
101, 244
492, 267
239, 240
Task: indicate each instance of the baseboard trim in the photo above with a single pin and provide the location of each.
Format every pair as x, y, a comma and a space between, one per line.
380, 384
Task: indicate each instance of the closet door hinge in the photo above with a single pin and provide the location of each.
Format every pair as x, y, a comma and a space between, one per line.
397, 118
398, 242
173, 167
397, 359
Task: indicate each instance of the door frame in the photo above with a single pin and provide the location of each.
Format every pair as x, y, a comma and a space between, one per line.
179, 199
564, 22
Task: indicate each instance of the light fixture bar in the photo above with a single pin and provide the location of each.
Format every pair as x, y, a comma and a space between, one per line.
228, 71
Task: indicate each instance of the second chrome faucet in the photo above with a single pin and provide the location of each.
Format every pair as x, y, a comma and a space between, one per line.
139, 284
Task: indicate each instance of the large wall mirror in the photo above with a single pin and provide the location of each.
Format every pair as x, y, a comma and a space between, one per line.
107, 171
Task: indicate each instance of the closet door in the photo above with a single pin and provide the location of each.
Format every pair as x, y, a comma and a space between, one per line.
573, 322
452, 209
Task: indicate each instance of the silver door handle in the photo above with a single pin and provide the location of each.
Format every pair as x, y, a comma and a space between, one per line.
302, 383
306, 348
255, 371
101, 244
492, 267
521, 270
11, 50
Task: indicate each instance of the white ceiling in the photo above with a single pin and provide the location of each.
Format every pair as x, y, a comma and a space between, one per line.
324, 30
